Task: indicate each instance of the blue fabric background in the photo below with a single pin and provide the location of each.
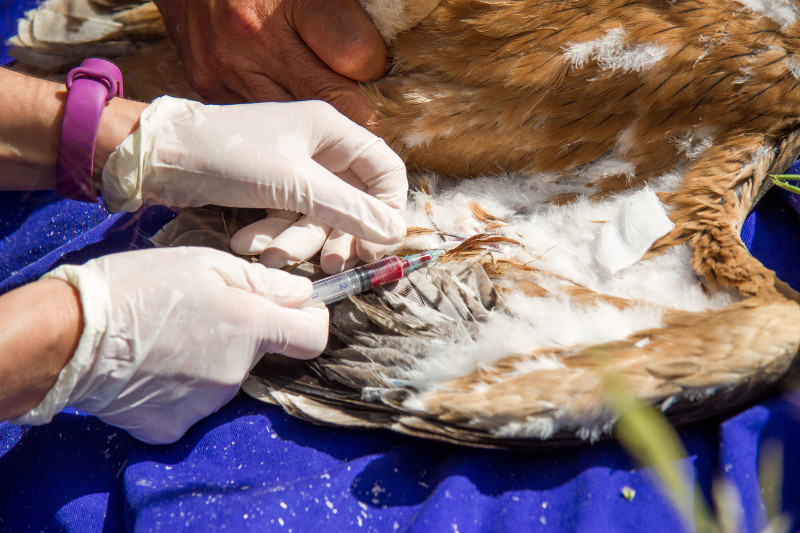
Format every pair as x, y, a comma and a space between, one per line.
251, 467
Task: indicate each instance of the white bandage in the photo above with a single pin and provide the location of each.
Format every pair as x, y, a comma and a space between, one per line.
623, 240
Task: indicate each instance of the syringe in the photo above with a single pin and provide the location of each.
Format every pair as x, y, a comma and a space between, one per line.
366, 277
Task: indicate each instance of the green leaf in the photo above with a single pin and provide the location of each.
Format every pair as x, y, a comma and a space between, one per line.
651, 440
781, 181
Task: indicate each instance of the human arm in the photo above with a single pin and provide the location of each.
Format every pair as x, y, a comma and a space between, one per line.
42, 323
277, 50
31, 110
301, 156
150, 341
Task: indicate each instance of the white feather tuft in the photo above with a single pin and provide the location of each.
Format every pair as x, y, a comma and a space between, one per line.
783, 12
611, 53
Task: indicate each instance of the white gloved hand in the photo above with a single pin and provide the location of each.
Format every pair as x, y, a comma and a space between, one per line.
303, 157
171, 333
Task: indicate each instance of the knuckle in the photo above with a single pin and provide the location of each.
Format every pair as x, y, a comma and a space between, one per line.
360, 61
245, 22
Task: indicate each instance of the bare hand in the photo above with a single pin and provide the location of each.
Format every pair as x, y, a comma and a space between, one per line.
277, 50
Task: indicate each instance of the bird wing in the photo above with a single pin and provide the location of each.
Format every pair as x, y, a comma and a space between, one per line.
613, 150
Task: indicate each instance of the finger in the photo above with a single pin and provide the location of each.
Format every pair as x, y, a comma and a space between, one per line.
349, 100
299, 242
310, 188
343, 37
342, 251
384, 174
370, 251
298, 333
392, 190
338, 253
354, 106
359, 156
281, 287
255, 237
306, 77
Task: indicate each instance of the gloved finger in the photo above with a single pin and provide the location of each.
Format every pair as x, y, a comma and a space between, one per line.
370, 251
346, 146
300, 241
365, 250
298, 333
254, 238
369, 159
281, 287
352, 178
338, 252
309, 188
344, 37
385, 179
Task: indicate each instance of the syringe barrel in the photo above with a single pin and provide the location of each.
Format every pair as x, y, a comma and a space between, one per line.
340, 286
385, 271
357, 280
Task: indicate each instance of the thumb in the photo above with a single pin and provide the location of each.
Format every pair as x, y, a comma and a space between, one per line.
344, 37
280, 287
296, 333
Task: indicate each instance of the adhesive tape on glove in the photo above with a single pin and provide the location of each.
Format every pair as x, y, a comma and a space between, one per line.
96, 311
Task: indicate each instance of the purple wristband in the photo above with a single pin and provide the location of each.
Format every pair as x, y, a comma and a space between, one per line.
89, 87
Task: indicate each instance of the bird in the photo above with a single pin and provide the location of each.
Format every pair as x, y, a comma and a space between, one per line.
546, 140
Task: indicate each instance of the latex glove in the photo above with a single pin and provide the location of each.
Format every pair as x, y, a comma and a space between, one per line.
300, 156
277, 50
171, 333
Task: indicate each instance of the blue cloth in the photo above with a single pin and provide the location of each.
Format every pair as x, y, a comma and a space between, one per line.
10, 12
252, 467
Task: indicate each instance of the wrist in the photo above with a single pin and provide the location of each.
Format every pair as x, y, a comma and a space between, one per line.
65, 318
43, 323
31, 113
84, 294
120, 119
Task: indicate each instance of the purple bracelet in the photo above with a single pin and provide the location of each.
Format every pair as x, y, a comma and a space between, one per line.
89, 87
